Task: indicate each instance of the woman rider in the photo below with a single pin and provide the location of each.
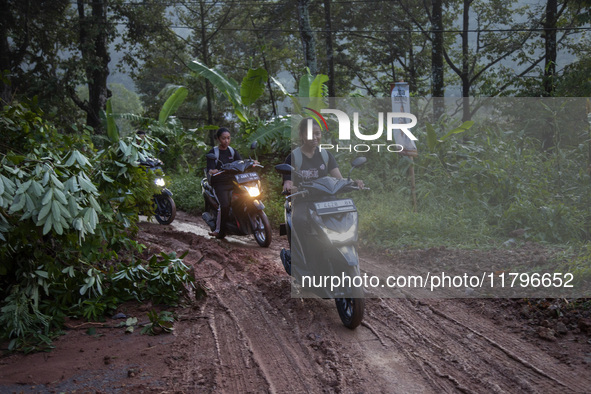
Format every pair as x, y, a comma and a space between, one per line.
222, 183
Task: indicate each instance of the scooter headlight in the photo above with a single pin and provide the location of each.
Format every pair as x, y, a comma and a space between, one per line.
346, 225
159, 182
253, 191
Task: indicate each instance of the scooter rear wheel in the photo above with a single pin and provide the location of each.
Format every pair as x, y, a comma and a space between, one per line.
262, 229
351, 311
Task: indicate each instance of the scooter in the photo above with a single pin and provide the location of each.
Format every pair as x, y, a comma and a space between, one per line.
164, 206
323, 242
247, 215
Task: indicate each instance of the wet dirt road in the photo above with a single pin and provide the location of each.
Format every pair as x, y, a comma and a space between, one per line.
250, 335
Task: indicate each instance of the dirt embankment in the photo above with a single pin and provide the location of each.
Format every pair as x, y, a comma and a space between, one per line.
249, 335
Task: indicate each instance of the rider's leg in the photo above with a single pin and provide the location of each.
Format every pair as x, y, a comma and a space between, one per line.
223, 193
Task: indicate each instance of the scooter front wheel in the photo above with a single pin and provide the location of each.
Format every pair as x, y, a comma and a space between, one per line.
351, 311
262, 229
165, 209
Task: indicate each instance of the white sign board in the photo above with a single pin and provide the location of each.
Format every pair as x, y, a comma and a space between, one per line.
401, 103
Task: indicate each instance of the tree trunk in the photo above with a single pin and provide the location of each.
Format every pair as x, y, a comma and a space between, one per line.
308, 42
266, 65
5, 65
465, 74
550, 44
95, 54
329, 50
437, 76
205, 58
412, 70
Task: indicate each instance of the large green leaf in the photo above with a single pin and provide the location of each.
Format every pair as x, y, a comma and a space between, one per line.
311, 89
304, 85
278, 129
464, 127
317, 85
253, 85
172, 104
226, 85
112, 130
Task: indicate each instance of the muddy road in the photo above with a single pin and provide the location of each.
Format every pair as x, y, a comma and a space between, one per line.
249, 335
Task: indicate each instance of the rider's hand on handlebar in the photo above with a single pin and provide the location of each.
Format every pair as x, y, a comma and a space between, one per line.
214, 171
359, 183
289, 188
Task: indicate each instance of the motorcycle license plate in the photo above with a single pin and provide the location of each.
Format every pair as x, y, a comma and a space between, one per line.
247, 177
336, 206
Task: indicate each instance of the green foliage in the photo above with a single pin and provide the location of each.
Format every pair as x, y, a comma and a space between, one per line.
579, 264
159, 323
178, 148
276, 134
66, 216
20, 318
187, 191
253, 85
163, 280
228, 86
272, 197
175, 100
478, 189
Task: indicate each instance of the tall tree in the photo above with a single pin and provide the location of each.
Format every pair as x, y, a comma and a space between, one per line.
437, 59
31, 35
94, 39
206, 19
498, 35
329, 49
308, 40
550, 46
380, 46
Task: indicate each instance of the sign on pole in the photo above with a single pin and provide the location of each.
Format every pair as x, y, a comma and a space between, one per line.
400, 95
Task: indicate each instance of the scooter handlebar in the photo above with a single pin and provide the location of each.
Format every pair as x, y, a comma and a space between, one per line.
301, 193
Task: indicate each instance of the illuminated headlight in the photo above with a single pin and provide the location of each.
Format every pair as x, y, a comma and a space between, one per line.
159, 182
253, 191
348, 235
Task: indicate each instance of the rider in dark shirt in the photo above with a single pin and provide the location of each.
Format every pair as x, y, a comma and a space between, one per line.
222, 183
312, 164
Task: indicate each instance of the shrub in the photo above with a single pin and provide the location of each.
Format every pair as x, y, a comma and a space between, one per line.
67, 214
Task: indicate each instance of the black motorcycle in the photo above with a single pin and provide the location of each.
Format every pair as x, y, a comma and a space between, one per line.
247, 215
323, 242
164, 206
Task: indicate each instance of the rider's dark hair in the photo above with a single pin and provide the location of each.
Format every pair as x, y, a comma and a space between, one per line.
221, 131
304, 127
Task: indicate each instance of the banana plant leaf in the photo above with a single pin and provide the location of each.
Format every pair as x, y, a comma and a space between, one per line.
253, 85
112, 130
172, 104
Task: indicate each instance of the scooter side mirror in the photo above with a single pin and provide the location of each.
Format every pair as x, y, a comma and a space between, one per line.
359, 161
284, 169
210, 156
254, 145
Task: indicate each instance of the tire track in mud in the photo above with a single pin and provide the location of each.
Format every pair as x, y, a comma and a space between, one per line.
250, 335
456, 356
451, 343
